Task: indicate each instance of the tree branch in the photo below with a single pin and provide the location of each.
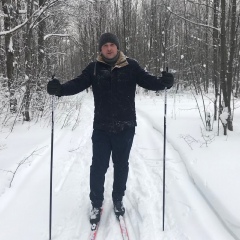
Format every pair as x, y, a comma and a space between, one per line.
15, 29
20, 164
202, 4
37, 13
56, 35
199, 24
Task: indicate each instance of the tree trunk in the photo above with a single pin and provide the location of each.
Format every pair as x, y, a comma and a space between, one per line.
28, 77
206, 84
223, 54
124, 26
8, 16
41, 54
215, 75
230, 63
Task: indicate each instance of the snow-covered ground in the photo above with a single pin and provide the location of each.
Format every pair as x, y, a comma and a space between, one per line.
202, 175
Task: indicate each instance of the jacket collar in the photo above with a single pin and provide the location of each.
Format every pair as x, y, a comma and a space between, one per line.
121, 62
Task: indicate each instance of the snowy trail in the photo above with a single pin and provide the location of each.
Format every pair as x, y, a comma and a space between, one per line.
187, 212
24, 214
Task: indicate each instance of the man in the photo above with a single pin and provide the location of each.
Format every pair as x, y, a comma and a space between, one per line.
113, 78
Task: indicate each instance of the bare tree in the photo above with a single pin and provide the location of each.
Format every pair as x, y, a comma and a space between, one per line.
232, 49
191, 37
215, 73
8, 24
41, 74
223, 56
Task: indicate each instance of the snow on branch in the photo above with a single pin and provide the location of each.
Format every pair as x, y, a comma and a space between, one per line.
224, 116
63, 35
58, 35
199, 24
42, 10
14, 29
202, 4
37, 13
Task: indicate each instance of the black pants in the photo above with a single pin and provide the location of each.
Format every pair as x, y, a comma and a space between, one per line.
105, 144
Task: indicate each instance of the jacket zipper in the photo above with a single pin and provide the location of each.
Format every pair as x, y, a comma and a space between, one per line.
112, 98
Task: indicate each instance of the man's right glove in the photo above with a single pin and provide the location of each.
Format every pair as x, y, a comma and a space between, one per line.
54, 87
167, 79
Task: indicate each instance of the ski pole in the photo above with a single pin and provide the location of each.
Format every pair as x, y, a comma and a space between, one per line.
51, 169
164, 150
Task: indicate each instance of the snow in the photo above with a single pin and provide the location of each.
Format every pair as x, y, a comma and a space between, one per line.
202, 175
224, 116
10, 47
26, 76
59, 35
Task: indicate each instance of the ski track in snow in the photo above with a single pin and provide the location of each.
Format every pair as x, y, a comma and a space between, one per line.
143, 200
182, 196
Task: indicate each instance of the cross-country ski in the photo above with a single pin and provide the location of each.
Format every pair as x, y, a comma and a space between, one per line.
94, 229
123, 228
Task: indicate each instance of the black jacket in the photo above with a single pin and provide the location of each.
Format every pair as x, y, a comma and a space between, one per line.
114, 91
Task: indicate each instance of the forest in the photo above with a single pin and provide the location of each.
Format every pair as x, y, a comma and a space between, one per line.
198, 40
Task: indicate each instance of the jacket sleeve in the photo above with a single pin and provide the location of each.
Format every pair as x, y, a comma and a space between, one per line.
146, 80
79, 83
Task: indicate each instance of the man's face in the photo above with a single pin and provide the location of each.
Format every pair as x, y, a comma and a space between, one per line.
109, 50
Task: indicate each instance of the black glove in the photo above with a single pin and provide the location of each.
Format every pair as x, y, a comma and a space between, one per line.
54, 87
167, 79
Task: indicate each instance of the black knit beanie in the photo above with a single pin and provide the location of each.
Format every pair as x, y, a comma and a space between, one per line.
108, 37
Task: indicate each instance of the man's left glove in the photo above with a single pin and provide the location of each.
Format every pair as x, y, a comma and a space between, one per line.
167, 79
54, 87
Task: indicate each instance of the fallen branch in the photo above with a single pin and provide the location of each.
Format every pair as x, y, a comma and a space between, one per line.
20, 164
189, 140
